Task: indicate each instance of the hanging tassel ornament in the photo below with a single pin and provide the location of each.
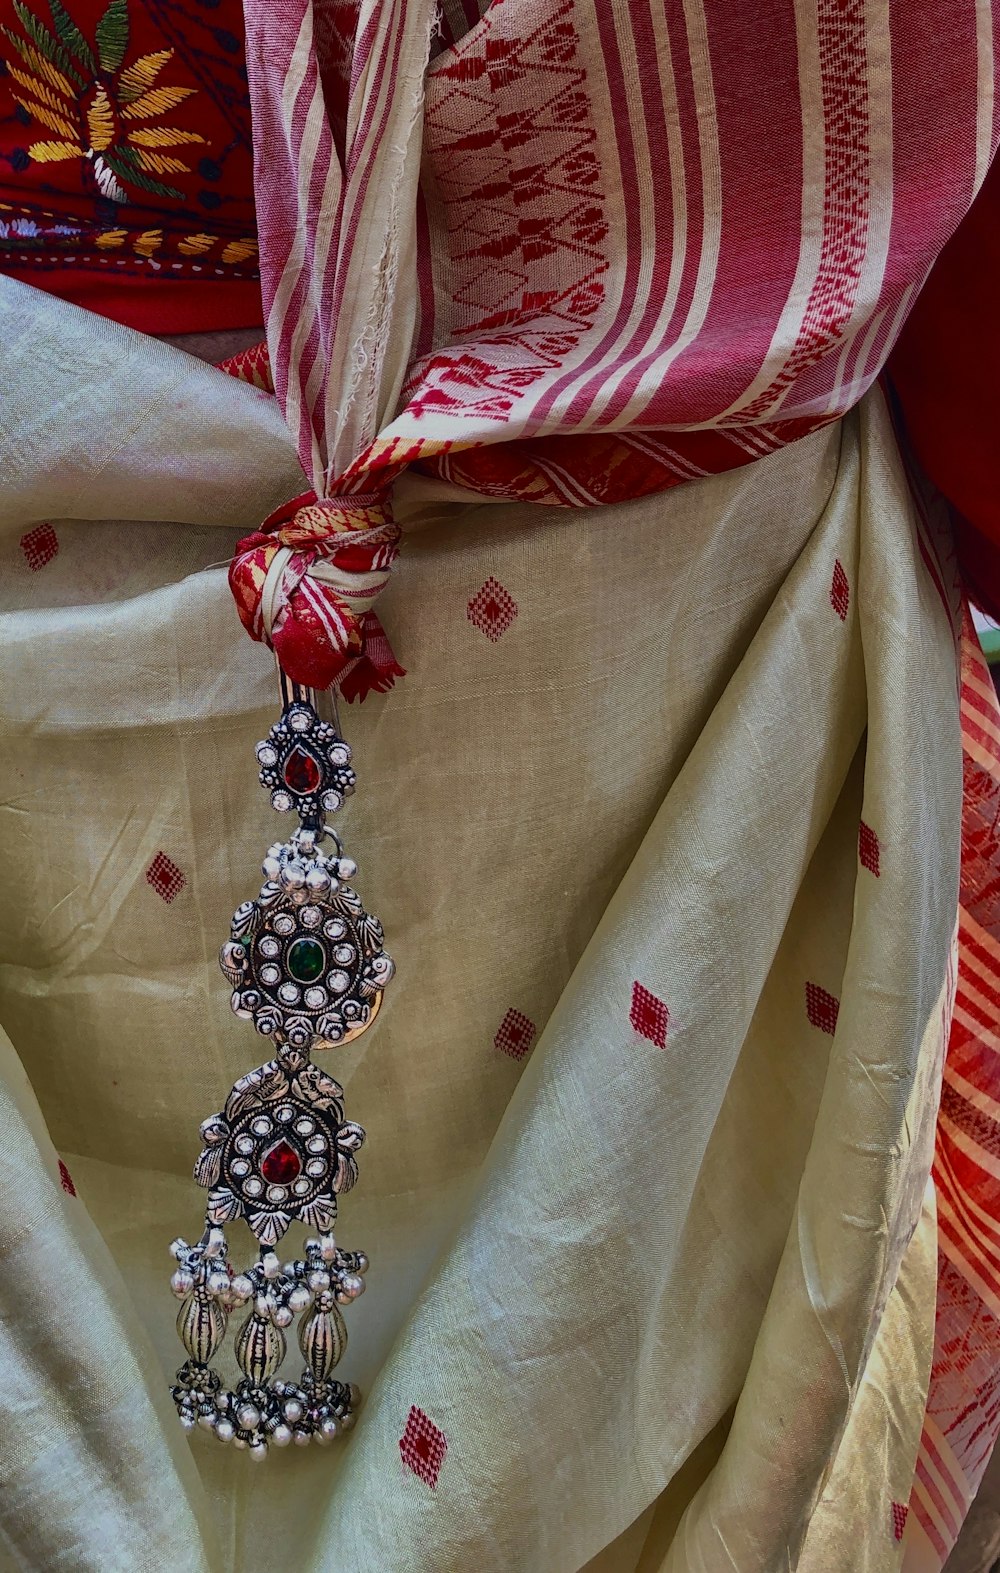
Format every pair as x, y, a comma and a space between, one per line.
307, 966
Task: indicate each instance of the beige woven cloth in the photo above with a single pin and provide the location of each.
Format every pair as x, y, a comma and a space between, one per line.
668, 1296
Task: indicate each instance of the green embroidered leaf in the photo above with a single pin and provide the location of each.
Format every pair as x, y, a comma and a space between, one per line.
123, 163
45, 42
112, 35
72, 37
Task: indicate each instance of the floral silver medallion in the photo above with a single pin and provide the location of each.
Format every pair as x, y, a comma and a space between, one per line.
307, 965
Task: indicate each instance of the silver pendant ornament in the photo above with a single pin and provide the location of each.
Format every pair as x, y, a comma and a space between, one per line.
307, 966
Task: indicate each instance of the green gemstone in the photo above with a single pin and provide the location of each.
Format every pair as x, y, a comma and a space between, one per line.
306, 960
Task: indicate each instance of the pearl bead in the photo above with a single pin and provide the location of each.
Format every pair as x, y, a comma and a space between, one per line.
271, 1265
346, 868
249, 1417
327, 1245
271, 868
258, 1450
329, 1428
293, 876
238, 1442
362, 1262
293, 1410
281, 1436
207, 1422
352, 1284
182, 1283
218, 1283
241, 1288
302, 1438
187, 1421
318, 880
319, 1280
224, 1430
283, 1316
299, 1298
347, 1421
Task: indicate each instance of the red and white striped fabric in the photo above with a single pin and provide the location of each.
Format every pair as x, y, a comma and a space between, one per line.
588, 252
962, 1420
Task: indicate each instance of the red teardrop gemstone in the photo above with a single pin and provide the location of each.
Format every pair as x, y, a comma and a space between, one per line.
301, 771
281, 1164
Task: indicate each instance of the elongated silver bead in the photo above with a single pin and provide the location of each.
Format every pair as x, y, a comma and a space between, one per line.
201, 1324
322, 1339
260, 1348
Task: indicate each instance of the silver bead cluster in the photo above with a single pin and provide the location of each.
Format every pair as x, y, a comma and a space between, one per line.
262, 1411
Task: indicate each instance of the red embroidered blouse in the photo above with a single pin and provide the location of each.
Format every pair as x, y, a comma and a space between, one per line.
126, 159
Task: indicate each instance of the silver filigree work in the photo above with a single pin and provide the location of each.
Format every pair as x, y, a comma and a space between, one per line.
305, 960
307, 965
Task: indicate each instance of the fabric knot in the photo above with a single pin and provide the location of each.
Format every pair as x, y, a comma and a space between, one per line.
305, 583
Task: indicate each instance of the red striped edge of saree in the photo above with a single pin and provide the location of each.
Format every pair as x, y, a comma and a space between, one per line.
962, 1418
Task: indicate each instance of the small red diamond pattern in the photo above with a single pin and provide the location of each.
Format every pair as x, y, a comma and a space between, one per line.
422, 1447
492, 610
900, 1512
822, 1008
165, 877
39, 546
649, 1016
66, 1179
869, 849
515, 1035
840, 591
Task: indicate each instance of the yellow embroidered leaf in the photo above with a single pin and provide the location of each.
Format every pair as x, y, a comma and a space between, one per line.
195, 245
31, 85
42, 67
148, 242
53, 152
156, 102
139, 77
48, 117
162, 136
239, 250
110, 238
100, 121
162, 164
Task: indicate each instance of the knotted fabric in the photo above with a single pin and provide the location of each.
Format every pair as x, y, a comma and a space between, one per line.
305, 583
336, 171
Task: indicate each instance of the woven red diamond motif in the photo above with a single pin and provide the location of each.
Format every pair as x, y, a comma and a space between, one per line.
39, 546
492, 610
515, 1035
649, 1016
822, 1008
165, 877
422, 1447
900, 1512
840, 591
868, 849
66, 1179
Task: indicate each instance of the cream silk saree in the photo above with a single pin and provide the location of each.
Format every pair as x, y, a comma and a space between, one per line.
664, 826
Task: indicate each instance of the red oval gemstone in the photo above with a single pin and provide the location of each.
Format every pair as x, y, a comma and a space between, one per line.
281, 1164
301, 771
